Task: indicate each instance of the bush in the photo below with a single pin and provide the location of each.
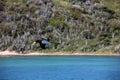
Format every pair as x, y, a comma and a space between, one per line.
75, 14
5, 29
2, 5
105, 42
56, 22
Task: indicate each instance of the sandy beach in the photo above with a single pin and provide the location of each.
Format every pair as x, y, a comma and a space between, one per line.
13, 53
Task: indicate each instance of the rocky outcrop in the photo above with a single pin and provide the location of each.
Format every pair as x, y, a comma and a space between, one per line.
117, 49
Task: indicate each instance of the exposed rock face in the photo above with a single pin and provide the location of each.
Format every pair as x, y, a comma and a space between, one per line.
117, 49
83, 25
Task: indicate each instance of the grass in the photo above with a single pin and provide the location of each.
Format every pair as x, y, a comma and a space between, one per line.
62, 3
113, 5
20, 1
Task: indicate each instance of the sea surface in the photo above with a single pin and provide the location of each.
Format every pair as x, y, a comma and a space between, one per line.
60, 68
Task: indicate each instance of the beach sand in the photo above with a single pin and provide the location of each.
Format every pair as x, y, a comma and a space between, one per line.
13, 53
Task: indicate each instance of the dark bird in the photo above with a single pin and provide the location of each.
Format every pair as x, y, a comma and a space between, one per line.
42, 42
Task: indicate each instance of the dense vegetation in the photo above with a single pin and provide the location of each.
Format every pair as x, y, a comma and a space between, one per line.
78, 25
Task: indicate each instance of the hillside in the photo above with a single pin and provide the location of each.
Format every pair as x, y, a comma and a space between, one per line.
78, 25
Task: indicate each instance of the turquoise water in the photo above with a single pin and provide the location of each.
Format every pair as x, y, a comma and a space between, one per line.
60, 68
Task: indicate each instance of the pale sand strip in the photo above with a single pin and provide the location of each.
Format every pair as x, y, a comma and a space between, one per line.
13, 53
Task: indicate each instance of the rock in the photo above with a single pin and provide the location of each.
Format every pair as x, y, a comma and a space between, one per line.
77, 7
49, 29
88, 2
29, 2
40, 2
117, 49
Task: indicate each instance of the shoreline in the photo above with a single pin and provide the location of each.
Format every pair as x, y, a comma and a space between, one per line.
13, 53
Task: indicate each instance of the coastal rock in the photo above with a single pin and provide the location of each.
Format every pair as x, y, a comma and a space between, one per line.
117, 49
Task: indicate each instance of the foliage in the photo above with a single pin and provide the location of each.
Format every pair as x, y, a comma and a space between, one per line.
62, 3
88, 28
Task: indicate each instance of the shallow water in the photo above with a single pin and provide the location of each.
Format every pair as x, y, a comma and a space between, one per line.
60, 68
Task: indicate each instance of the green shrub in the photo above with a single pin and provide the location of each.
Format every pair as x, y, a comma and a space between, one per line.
105, 42
62, 3
5, 29
74, 14
56, 22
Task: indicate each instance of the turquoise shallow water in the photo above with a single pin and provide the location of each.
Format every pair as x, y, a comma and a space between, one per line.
60, 68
